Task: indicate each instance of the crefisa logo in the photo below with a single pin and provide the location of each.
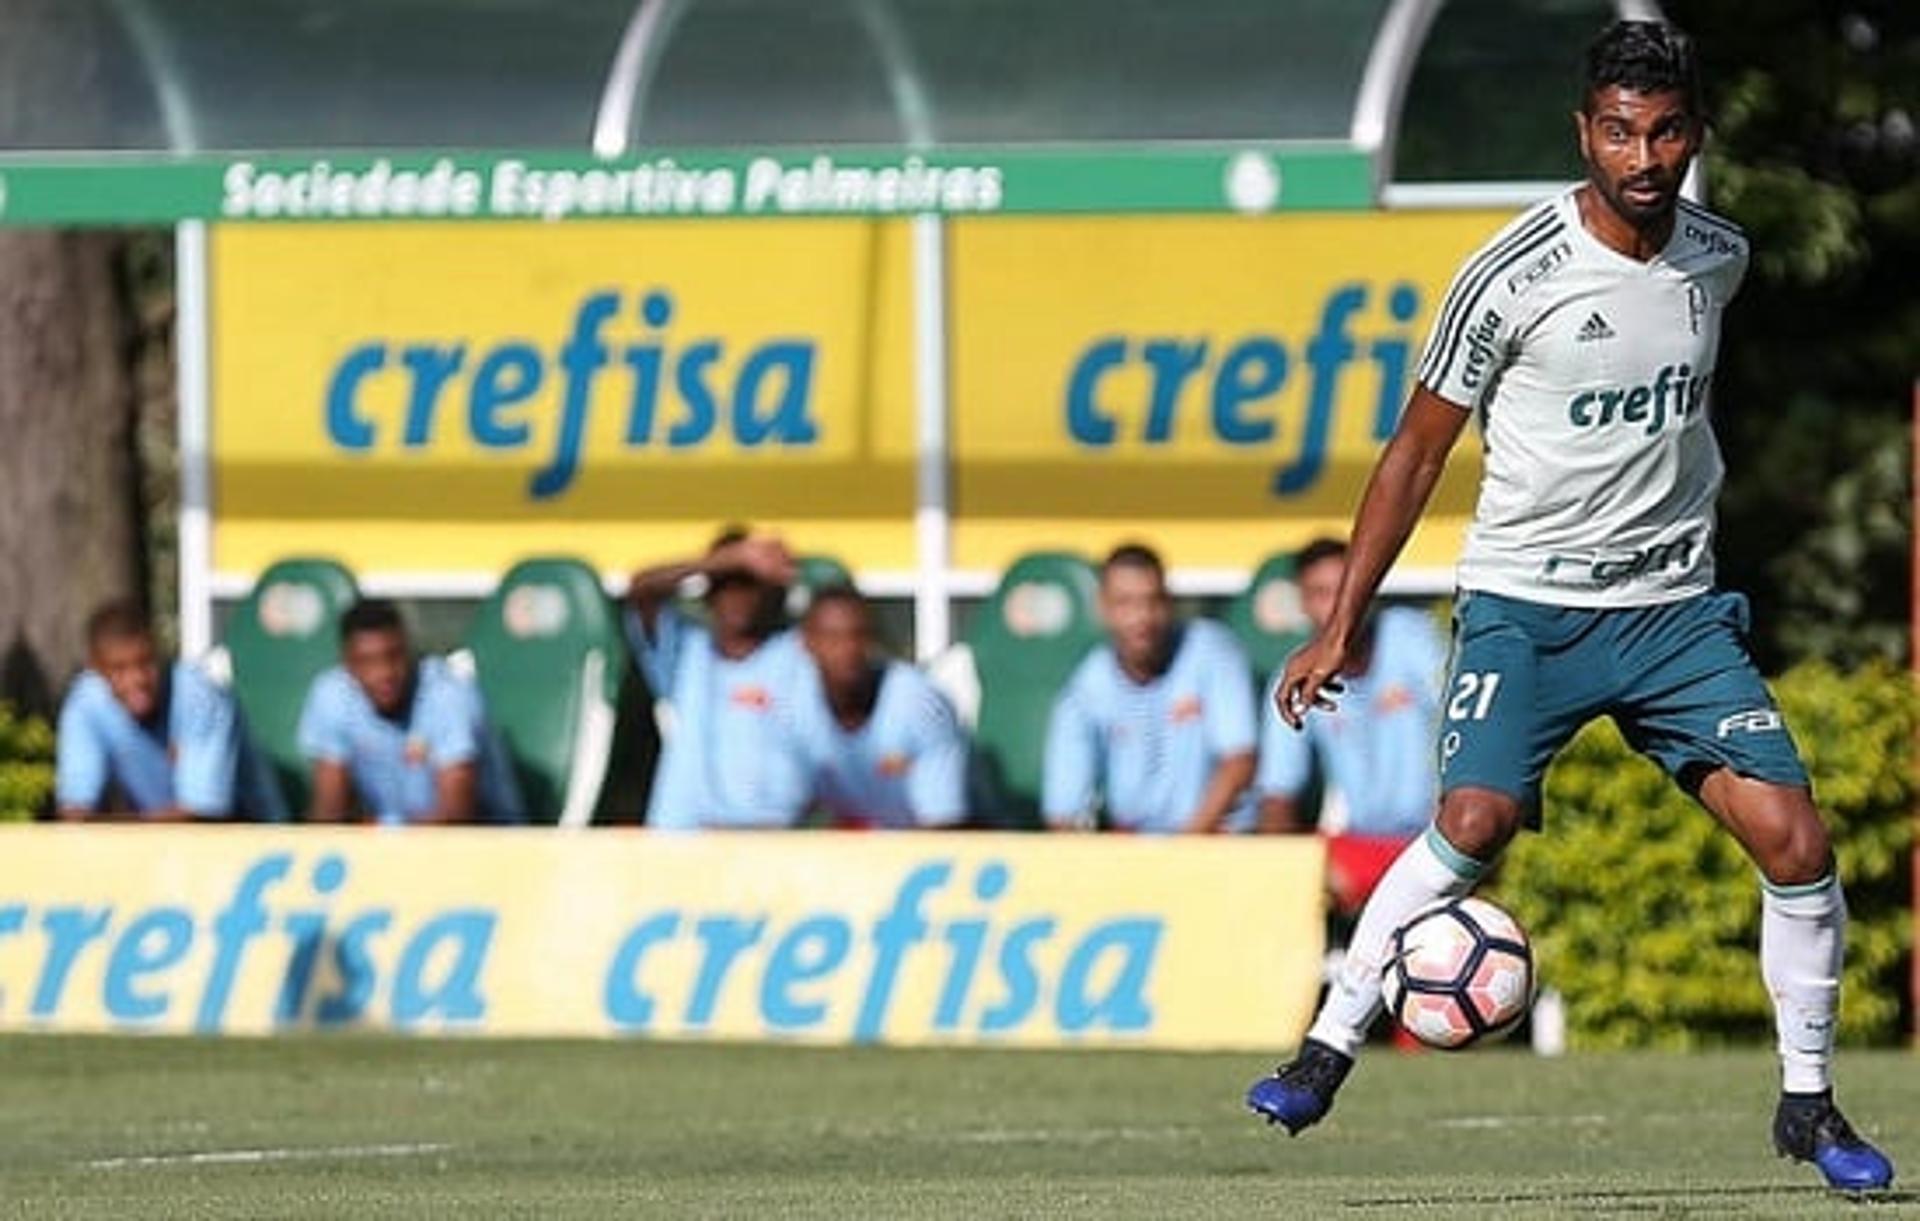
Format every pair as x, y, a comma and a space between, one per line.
331, 964
1000, 965
516, 397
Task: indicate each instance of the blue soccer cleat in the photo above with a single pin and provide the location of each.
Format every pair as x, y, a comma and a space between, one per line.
1300, 1093
1809, 1128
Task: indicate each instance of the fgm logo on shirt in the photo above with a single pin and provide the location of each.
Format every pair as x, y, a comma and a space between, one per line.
751, 696
1186, 709
1599, 570
1393, 698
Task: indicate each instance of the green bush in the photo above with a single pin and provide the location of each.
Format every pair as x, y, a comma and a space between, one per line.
1646, 916
26, 765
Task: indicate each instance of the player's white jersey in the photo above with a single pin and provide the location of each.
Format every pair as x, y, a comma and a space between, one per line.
1589, 372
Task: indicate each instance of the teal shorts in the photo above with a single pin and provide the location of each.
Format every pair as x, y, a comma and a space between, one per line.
1677, 678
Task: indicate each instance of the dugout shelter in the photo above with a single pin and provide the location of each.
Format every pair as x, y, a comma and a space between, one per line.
929, 285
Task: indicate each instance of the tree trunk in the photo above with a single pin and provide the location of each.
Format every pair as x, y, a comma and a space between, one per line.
69, 528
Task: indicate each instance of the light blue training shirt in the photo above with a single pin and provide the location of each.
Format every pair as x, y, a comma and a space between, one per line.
906, 767
1375, 748
1147, 750
194, 755
732, 756
394, 760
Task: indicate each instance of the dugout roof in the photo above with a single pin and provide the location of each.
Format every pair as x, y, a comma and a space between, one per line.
612, 76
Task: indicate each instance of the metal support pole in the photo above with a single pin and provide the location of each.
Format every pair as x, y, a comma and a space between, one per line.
196, 500
932, 514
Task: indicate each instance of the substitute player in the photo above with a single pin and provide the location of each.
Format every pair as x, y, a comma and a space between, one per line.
1372, 753
401, 740
1155, 729
1584, 337
731, 757
144, 738
882, 745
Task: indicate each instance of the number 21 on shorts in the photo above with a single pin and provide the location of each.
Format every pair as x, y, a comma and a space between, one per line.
1473, 694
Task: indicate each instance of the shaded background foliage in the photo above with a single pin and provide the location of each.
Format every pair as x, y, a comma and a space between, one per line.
26, 765
1814, 152
1644, 914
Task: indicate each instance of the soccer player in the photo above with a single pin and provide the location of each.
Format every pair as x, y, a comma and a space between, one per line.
731, 757
884, 747
161, 743
1374, 752
1584, 337
1155, 728
398, 740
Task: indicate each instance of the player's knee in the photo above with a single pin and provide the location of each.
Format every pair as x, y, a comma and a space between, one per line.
1795, 850
1478, 823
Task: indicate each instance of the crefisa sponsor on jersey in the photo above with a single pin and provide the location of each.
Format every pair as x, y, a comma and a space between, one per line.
1676, 392
1480, 337
1712, 239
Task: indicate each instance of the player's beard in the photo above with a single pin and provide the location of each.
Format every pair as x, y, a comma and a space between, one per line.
1641, 214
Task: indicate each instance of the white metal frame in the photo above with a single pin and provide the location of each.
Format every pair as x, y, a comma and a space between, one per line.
192, 352
623, 97
1383, 84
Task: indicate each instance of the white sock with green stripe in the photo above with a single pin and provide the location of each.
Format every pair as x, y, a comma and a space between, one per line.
1803, 938
1427, 870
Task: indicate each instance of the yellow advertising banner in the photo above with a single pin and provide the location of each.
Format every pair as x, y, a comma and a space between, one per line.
434, 397
1016, 940
1219, 386
426, 398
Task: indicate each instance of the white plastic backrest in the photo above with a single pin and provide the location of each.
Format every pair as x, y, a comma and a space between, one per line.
463, 665
954, 672
592, 744
217, 664
1334, 815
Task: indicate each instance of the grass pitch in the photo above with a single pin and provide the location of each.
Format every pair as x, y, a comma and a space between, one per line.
366, 1127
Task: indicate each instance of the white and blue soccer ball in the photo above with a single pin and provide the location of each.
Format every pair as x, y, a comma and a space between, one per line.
1459, 972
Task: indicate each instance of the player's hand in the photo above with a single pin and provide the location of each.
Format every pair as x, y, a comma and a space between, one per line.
1310, 680
762, 555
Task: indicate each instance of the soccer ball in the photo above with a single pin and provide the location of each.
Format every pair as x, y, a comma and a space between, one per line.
1459, 972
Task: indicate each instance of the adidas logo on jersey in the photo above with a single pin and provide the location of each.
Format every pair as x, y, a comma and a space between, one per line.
1595, 327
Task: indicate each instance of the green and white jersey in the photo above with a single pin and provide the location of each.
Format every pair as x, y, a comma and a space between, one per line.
1589, 372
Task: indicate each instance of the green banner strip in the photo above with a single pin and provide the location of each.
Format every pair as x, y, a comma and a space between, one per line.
549, 186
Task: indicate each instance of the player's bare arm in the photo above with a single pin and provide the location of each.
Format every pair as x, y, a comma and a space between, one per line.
1230, 779
456, 794
332, 792
1280, 816
1397, 493
764, 556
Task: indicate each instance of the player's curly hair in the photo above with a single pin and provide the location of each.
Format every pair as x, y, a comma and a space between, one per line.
120, 619
1646, 57
371, 615
1133, 555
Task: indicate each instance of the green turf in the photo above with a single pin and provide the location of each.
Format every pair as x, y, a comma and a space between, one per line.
377, 1127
